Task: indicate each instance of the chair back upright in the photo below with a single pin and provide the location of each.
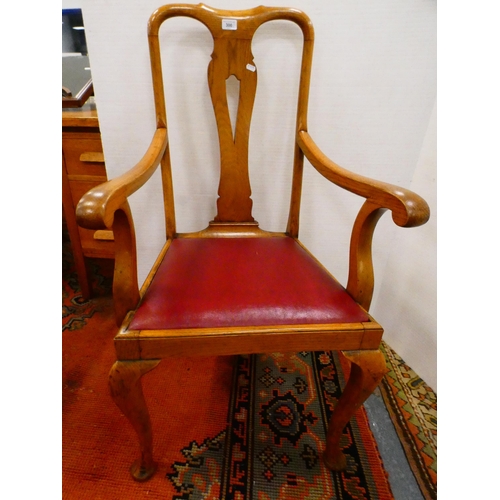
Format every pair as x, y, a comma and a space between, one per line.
232, 32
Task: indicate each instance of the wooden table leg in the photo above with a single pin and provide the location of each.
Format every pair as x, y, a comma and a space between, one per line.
74, 236
367, 370
126, 390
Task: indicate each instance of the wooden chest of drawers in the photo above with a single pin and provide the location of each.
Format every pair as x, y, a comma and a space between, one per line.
83, 167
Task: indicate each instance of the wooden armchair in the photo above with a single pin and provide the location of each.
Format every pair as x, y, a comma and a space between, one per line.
233, 287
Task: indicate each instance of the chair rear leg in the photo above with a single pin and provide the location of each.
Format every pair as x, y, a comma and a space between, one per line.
126, 391
367, 370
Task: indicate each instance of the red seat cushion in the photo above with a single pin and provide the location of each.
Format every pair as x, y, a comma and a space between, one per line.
220, 282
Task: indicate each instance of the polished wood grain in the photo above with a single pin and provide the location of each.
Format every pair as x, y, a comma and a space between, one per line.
106, 207
408, 209
104, 235
251, 340
80, 118
126, 390
83, 168
92, 157
231, 56
367, 370
96, 209
360, 282
74, 234
125, 285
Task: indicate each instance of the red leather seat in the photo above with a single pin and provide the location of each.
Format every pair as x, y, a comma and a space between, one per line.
217, 282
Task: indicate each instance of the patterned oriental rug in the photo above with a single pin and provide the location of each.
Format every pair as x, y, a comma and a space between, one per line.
243, 427
412, 406
278, 409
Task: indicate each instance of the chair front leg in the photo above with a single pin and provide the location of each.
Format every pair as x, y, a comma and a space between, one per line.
367, 370
126, 391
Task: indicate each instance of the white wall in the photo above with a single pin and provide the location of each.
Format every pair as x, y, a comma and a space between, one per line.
406, 301
72, 4
373, 90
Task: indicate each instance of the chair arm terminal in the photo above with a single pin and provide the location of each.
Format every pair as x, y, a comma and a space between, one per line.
97, 207
408, 209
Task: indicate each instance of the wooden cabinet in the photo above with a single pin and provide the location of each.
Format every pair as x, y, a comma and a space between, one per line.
83, 167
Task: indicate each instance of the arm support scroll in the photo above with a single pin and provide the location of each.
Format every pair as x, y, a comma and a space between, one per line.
361, 278
97, 207
106, 206
408, 209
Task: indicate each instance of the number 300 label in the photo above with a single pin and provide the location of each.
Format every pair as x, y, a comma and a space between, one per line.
229, 24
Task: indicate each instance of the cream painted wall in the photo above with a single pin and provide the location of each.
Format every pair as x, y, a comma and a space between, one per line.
373, 90
406, 301
72, 4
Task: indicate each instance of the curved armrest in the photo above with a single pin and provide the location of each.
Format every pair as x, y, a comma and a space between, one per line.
408, 209
97, 207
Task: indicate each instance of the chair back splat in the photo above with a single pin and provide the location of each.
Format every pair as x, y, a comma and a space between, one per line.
233, 32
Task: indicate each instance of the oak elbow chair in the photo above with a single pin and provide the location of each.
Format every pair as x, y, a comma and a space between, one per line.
234, 288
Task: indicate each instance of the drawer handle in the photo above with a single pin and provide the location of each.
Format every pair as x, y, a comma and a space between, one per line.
104, 235
92, 157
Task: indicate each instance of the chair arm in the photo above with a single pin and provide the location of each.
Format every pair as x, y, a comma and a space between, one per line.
408, 209
97, 207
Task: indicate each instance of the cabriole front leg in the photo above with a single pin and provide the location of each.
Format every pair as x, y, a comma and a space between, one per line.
367, 370
126, 391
